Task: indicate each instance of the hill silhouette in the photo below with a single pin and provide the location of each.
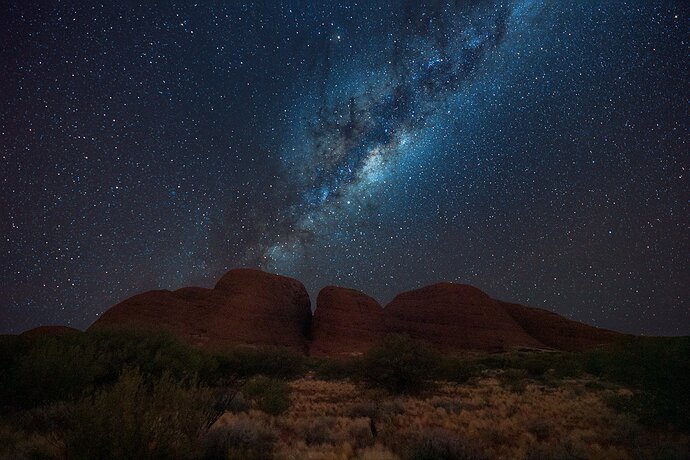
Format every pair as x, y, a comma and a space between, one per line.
256, 308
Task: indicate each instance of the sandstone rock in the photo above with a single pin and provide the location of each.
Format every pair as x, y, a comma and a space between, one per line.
346, 323
558, 332
456, 317
246, 307
251, 307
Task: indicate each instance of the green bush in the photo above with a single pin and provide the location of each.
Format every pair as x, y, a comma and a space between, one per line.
514, 379
274, 362
401, 365
243, 439
45, 369
456, 369
269, 395
136, 420
658, 368
337, 369
536, 366
501, 361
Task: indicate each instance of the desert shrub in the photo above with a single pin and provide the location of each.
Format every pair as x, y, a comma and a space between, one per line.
620, 402
658, 368
360, 433
133, 420
536, 366
275, 362
11, 347
390, 408
669, 451
368, 409
557, 451
400, 365
46, 369
154, 355
567, 365
456, 369
51, 370
451, 406
594, 362
514, 379
438, 444
241, 439
376, 452
269, 395
318, 431
594, 385
501, 361
17, 444
238, 403
539, 428
337, 369
45, 419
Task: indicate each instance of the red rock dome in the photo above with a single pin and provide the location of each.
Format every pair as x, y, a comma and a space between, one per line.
346, 322
247, 307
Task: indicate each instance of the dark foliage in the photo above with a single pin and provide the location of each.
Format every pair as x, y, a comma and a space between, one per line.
659, 368
45, 369
133, 419
269, 395
337, 369
401, 365
438, 444
279, 363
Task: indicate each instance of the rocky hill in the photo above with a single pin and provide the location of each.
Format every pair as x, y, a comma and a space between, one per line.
246, 307
251, 307
456, 317
345, 322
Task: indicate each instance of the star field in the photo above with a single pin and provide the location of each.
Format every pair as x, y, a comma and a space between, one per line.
537, 150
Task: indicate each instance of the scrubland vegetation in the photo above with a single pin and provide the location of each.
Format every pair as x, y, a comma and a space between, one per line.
130, 396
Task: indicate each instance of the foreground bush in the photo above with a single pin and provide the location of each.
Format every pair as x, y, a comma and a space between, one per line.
48, 369
275, 362
456, 369
437, 444
269, 395
401, 365
337, 369
133, 420
658, 367
241, 439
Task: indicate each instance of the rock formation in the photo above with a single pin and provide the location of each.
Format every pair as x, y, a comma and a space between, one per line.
346, 322
247, 307
251, 307
555, 331
456, 317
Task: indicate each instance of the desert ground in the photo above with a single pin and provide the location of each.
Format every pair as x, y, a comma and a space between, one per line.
121, 395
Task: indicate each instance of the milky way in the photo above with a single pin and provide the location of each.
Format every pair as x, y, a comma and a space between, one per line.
355, 139
537, 150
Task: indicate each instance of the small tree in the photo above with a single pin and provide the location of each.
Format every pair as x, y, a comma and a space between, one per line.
401, 365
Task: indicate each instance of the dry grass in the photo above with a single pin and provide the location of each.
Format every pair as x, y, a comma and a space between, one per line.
485, 419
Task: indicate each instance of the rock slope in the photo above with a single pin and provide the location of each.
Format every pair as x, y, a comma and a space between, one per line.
251, 307
246, 307
346, 322
456, 317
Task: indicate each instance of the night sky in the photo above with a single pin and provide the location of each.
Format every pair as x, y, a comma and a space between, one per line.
536, 150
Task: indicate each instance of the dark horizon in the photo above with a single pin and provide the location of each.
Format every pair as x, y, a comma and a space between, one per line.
537, 151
